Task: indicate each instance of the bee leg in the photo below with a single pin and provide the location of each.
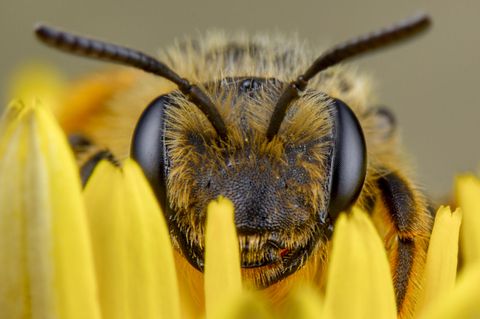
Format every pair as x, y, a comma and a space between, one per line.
88, 155
405, 213
79, 143
88, 167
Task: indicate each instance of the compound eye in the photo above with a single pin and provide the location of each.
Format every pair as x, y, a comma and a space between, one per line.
349, 160
148, 145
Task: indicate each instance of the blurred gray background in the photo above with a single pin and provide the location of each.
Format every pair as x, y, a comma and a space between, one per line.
431, 84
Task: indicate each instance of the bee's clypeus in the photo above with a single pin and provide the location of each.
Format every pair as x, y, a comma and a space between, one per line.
290, 154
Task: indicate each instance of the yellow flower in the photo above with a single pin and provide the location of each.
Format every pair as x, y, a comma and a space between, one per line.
468, 197
105, 252
46, 265
359, 282
441, 266
133, 257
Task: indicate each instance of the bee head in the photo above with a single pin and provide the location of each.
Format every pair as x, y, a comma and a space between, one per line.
291, 159
286, 191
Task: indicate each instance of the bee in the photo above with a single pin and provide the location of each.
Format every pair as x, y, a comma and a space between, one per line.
290, 154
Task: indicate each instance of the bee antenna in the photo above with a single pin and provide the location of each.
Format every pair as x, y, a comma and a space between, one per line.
100, 50
341, 52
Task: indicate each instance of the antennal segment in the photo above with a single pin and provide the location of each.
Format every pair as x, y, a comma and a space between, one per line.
341, 52
100, 50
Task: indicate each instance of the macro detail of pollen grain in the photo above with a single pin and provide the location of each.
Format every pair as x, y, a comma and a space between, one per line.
278, 188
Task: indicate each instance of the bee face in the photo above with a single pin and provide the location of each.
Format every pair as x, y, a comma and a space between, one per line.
289, 155
281, 189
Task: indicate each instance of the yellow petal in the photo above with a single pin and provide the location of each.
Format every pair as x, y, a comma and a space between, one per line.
222, 258
305, 303
463, 301
441, 265
46, 267
38, 81
9, 117
247, 305
132, 250
467, 191
359, 283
